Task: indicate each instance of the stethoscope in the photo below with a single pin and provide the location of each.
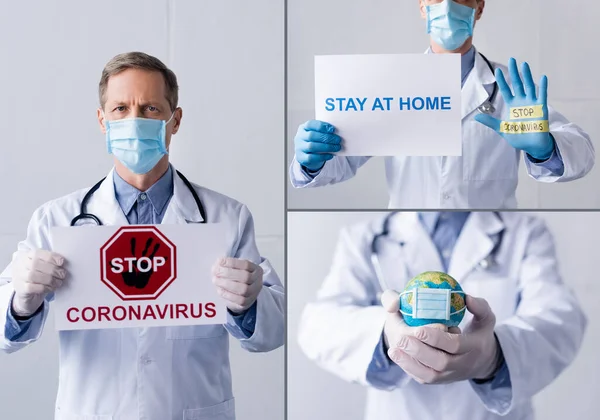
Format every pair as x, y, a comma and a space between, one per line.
487, 107
488, 263
83, 215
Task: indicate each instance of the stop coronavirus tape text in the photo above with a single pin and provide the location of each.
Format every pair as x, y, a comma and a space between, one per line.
509, 127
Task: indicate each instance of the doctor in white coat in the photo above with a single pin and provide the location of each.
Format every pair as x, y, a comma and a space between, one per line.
144, 373
486, 175
522, 328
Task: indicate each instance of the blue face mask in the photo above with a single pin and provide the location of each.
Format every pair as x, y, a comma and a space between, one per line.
450, 24
138, 143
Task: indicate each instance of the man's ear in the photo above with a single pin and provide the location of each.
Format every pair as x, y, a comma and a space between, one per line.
100, 116
423, 9
479, 10
177, 116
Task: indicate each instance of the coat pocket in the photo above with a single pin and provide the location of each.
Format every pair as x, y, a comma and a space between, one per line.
222, 411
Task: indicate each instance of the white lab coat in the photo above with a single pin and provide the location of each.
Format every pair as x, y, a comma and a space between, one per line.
539, 322
151, 373
484, 177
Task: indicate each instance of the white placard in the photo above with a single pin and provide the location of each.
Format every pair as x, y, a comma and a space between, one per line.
392, 104
128, 292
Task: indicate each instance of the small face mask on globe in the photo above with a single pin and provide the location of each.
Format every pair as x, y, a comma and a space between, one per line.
432, 298
138, 143
450, 24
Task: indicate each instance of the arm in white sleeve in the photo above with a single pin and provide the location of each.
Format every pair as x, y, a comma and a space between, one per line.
269, 323
554, 163
338, 169
543, 336
573, 147
341, 331
17, 335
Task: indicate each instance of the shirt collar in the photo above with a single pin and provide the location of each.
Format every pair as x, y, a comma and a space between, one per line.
430, 219
159, 194
467, 62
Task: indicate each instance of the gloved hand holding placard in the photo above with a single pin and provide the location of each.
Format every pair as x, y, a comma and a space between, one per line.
526, 126
391, 105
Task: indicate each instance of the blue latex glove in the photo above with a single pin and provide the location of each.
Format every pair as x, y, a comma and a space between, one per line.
315, 142
536, 141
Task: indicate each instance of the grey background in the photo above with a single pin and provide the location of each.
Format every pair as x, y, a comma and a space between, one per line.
228, 56
316, 394
551, 35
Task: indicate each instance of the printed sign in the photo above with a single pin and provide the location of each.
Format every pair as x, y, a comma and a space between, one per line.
139, 276
132, 256
391, 105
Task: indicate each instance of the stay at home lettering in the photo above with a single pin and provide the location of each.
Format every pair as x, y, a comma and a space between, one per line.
383, 104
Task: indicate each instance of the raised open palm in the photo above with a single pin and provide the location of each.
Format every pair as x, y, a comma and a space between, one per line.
526, 126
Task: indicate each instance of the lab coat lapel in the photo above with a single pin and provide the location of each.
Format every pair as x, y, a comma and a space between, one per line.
104, 203
182, 208
474, 92
474, 243
420, 253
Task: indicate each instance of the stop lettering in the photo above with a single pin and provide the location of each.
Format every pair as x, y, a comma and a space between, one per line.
143, 264
138, 262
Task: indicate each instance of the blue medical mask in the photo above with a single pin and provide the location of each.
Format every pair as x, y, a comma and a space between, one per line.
138, 143
432, 303
450, 24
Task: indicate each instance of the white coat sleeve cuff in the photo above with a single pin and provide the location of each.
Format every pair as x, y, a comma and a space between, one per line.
268, 331
299, 177
496, 395
243, 325
542, 171
382, 373
574, 149
554, 163
15, 329
25, 332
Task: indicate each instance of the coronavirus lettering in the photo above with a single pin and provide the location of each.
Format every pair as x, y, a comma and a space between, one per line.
142, 312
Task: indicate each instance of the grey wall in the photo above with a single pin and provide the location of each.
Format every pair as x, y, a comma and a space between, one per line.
551, 37
228, 56
316, 394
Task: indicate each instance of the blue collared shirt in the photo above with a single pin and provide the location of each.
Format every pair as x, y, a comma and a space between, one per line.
444, 230
467, 62
143, 208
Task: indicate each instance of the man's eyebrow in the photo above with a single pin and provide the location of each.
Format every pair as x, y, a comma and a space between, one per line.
116, 103
152, 102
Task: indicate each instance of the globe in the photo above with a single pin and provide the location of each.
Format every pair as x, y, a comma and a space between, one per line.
433, 280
